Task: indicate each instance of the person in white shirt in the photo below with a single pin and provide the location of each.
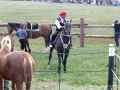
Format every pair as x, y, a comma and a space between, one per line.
60, 24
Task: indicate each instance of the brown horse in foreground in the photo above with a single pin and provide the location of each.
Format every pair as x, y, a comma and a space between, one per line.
43, 30
16, 66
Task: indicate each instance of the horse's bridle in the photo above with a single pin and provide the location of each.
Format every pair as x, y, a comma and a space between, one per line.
64, 44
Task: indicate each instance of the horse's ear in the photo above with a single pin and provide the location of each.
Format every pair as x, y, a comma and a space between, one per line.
70, 20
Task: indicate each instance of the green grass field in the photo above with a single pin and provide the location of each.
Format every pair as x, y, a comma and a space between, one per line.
94, 57
46, 13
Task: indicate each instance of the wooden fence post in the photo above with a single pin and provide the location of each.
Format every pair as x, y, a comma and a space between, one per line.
111, 66
82, 34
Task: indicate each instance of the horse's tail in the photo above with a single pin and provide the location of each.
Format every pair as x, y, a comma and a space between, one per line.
29, 64
49, 35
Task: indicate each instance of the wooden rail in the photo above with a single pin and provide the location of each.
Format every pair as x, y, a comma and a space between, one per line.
89, 26
82, 26
3, 24
94, 36
73, 25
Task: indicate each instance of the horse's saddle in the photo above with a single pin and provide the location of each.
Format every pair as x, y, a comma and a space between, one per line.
33, 26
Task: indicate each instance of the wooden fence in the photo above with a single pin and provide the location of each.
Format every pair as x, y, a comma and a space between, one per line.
82, 26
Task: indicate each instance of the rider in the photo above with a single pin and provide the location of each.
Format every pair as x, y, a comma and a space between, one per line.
22, 36
59, 23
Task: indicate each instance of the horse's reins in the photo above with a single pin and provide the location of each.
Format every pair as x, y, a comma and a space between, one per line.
64, 45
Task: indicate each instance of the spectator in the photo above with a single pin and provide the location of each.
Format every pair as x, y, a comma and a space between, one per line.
116, 32
22, 36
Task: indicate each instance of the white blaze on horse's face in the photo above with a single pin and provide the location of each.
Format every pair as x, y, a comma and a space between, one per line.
6, 42
68, 25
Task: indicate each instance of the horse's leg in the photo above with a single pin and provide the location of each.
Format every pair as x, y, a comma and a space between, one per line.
28, 77
28, 85
46, 41
59, 62
50, 56
70, 42
6, 85
47, 38
1, 84
19, 85
13, 86
65, 59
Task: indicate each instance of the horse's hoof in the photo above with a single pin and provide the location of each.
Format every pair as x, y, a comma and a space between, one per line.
65, 70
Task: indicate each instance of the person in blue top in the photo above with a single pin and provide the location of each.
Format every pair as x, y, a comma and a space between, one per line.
22, 36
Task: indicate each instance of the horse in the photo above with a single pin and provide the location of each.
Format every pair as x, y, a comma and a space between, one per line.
43, 30
62, 45
16, 66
